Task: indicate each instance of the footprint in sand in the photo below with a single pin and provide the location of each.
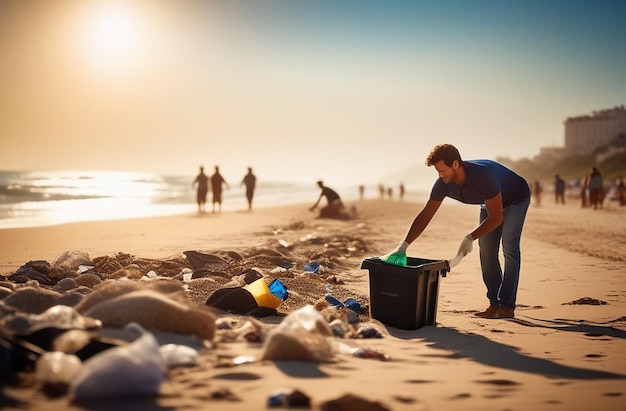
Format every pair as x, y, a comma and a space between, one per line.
461, 396
419, 381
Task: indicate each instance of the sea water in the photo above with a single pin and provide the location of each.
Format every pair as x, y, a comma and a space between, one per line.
40, 198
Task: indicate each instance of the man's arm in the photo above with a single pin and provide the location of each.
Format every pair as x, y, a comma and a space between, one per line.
317, 202
422, 220
494, 219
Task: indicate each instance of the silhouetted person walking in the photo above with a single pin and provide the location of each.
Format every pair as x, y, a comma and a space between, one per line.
216, 186
596, 189
203, 187
249, 180
559, 189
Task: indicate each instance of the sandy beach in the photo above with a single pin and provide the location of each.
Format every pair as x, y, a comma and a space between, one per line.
565, 350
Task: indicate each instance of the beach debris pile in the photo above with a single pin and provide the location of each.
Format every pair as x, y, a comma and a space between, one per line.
118, 326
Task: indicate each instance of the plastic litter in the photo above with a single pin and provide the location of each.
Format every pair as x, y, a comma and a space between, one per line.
288, 398
71, 260
187, 274
312, 267
176, 355
354, 305
262, 294
350, 303
369, 332
333, 301
133, 369
84, 268
304, 335
278, 289
59, 316
306, 319
57, 367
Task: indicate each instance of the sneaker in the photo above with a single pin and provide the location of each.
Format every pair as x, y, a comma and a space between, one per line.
505, 312
490, 312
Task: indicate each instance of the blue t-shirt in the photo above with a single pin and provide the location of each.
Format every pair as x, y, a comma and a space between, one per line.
485, 179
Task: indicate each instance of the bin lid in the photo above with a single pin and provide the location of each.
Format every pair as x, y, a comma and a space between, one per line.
413, 264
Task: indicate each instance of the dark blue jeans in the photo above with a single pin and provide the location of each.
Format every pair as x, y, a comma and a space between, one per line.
502, 286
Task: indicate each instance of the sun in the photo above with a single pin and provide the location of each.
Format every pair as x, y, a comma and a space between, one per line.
112, 34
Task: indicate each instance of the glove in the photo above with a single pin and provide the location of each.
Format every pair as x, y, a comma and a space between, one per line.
455, 261
466, 245
397, 256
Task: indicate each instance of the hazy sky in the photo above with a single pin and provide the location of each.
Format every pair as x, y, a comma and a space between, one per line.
346, 91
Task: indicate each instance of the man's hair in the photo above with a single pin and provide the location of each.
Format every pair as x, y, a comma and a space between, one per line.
446, 152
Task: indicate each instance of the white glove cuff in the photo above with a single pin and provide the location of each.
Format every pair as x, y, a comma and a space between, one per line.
402, 247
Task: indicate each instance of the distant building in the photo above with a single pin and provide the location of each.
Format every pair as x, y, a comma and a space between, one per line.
583, 134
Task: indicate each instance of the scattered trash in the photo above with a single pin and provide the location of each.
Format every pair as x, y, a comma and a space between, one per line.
60, 317
354, 305
243, 359
278, 289
134, 369
57, 367
283, 243
367, 331
288, 398
176, 355
333, 301
350, 303
263, 295
71, 260
187, 274
339, 328
302, 336
312, 267
84, 268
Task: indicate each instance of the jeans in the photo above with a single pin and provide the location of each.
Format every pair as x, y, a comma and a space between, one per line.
502, 287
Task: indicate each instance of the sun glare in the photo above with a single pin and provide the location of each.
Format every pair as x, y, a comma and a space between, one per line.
114, 33
111, 34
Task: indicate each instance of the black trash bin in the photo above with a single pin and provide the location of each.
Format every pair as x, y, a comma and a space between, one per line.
405, 297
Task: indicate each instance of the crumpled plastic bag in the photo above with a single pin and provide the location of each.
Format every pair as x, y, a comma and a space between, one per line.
303, 335
59, 316
71, 260
133, 369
